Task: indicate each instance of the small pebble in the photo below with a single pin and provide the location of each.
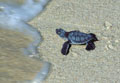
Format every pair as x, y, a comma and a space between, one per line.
109, 41
116, 41
74, 54
111, 46
108, 25
106, 47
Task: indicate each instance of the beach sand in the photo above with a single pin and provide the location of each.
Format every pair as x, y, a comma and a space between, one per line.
100, 17
101, 65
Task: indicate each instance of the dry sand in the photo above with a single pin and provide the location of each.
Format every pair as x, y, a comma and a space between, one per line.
101, 17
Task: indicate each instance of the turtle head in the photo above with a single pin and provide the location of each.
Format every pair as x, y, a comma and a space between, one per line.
61, 32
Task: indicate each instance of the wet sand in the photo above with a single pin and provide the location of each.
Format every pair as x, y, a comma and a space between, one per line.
14, 66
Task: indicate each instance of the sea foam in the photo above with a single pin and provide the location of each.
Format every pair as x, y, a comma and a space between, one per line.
15, 17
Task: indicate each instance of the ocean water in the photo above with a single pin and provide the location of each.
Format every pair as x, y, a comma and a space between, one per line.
19, 43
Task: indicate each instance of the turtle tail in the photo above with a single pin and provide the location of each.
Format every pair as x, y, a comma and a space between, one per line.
94, 37
90, 44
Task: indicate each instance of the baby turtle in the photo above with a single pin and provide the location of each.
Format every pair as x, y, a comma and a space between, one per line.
76, 37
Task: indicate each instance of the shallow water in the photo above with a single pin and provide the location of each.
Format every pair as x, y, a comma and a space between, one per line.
14, 66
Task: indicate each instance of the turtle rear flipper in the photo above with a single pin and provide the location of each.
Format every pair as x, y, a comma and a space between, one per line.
65, 48
90, 46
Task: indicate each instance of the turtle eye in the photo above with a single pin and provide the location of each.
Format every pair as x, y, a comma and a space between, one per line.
58, 31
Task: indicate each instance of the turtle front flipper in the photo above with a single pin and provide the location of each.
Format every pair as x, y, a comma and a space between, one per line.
65, 48
90, 46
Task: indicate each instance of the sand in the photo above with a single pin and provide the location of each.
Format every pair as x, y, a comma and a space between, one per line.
14, 66
101, 17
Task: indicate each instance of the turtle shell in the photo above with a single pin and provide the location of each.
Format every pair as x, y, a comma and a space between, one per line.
77, 37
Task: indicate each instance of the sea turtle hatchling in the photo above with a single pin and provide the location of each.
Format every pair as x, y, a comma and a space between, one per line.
76, 37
